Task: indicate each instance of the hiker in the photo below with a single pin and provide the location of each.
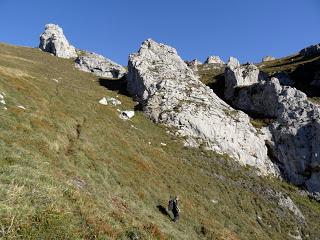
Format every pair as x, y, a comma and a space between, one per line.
173, 206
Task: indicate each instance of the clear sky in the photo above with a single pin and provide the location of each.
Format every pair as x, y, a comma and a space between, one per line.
246, 29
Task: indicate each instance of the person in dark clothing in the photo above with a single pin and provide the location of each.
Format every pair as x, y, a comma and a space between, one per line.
173, 206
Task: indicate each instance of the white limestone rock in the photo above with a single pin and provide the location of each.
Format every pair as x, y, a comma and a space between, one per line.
2, 100
52, 40
214, 60
99, 65
103, 101
268, 58
239, 76
125, 115
173, 95
295, 131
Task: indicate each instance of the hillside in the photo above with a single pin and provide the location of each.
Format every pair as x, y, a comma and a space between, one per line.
72, 169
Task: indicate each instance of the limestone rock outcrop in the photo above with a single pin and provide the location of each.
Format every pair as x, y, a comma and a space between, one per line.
52, 40
214, 60
268, 58
170, 93
295, 130
239, 76
99, 65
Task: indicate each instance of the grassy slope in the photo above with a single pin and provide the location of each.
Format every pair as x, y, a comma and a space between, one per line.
71, 169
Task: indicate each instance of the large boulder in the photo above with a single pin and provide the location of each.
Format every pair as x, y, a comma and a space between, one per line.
171, 94
99, 65
52, 40
295, 130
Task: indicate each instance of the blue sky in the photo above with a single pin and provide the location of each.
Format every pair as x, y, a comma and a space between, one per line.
246, 29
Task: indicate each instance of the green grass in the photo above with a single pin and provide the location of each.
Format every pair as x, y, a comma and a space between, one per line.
71, 169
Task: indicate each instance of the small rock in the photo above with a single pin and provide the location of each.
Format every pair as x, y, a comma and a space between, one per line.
214, 201
113, 101
103, 101
268, 58
109, 100
22, 107
163, 144
125, 115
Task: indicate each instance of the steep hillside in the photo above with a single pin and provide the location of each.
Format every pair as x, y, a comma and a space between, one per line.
72, 169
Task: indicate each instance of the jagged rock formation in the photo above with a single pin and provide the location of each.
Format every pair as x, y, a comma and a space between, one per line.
172, 94
296, 130
214, 60
52, 40
312, 50
99, 65
239, 76
268, 58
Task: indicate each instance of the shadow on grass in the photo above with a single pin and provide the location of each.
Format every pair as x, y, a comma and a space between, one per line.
164, 211
119, 85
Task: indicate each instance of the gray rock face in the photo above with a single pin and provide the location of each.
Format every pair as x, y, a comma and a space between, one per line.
172, 94
214, 60
295, 132
99, 65
312, 50
268, 58
239, 76
52, 40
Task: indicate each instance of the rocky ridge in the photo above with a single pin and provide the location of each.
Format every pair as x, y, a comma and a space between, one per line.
172, 94
296, 127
